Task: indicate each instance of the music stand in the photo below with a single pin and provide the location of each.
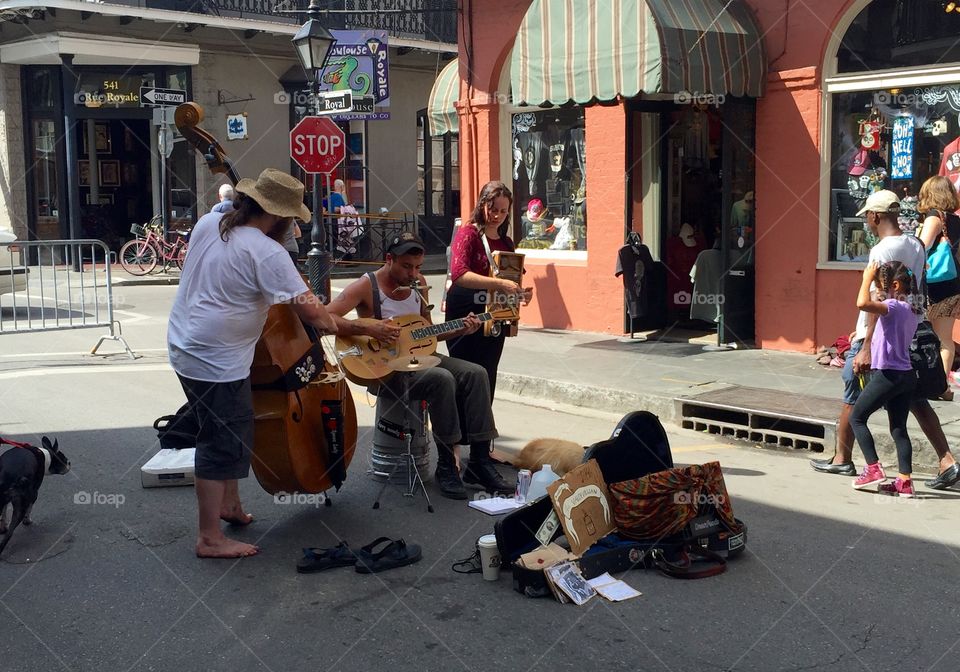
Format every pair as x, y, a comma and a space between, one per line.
414, 480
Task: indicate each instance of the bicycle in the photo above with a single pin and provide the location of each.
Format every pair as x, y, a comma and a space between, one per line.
142, 254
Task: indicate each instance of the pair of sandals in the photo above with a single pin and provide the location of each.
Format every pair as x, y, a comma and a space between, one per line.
379, 555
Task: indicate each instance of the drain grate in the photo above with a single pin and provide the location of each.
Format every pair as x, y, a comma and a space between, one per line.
763, 416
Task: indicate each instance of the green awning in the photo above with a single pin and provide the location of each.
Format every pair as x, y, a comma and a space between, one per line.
585, 50
446, 91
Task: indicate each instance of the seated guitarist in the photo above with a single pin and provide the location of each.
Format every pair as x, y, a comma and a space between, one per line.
457, 392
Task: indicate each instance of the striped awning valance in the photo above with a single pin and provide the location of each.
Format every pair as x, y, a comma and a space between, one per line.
445, 92
584, 50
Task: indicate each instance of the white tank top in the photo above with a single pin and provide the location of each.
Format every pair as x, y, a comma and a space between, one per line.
394, 308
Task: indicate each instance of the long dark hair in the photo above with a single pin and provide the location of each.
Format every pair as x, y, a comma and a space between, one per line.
892, 271
245, 210
490, 192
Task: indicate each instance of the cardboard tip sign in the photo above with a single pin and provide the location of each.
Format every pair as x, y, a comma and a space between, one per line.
582, 502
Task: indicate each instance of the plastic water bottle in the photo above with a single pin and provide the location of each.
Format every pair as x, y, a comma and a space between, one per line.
539, 483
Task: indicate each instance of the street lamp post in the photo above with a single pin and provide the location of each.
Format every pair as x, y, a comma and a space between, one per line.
313, 42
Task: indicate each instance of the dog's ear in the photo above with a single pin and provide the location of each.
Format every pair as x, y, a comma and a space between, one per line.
45, 442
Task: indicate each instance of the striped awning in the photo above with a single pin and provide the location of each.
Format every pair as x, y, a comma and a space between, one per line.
445, 92
584, 50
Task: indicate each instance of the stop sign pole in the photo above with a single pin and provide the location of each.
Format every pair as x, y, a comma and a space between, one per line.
318, 146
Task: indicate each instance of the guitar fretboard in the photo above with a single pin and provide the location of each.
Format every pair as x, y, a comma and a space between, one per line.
445, 328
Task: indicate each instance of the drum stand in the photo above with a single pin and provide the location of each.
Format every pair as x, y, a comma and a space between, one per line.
414, 480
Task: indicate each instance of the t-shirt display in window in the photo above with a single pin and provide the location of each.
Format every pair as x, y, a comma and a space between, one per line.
950, 163
549, 162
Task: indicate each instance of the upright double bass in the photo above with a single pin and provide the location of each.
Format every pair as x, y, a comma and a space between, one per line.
304, 416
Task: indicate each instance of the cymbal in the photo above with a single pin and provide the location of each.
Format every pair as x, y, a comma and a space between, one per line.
413, 363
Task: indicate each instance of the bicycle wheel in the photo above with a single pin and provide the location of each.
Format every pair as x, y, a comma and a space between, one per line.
138, 257
181, 256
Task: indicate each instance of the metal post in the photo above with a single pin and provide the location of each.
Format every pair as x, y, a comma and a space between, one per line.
318, 258
72, 200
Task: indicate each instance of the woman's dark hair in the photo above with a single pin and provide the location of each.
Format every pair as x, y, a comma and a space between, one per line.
892, 271
246, 209
490, 192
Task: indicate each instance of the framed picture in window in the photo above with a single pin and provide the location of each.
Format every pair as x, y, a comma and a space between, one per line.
102, 137
109, 173
83, 171
102, 199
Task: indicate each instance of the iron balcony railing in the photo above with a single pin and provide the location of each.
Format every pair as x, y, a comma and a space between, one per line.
431, 20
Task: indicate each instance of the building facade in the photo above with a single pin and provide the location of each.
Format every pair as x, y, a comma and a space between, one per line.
72, 75
735, 138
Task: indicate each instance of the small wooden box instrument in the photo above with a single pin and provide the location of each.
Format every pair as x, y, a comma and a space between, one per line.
508, 266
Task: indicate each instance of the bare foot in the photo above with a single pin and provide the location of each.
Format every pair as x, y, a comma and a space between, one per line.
224, 547
235, 516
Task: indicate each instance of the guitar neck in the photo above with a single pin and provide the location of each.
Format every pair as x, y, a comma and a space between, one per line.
445, 327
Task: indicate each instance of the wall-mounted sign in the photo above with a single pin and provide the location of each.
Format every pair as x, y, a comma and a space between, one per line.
237, 126
901, 149
358, 62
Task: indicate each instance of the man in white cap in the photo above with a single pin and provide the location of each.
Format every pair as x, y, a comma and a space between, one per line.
881, 211
235, 270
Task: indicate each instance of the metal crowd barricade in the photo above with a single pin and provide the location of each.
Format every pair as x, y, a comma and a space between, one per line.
68, 286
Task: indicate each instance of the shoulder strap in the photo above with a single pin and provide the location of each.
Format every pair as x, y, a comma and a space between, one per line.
376, 294
486, 247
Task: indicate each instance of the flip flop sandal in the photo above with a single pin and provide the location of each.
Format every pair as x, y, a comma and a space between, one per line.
320, 559
395, 554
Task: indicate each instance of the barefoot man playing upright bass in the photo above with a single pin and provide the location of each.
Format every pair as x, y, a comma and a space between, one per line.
235, 270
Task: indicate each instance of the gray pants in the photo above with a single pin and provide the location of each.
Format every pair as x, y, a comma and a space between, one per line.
458, 396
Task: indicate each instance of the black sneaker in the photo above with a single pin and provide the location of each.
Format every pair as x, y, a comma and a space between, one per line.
448, 478
487, 477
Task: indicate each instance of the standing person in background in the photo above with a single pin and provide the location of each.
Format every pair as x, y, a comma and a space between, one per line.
227, 196
938, 200
291, 242
470, 261
338, 197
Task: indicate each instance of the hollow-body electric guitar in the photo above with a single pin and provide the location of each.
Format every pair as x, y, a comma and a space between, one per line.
365, 359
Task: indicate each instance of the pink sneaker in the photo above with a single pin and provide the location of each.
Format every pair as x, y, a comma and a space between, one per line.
871, 474
899, 488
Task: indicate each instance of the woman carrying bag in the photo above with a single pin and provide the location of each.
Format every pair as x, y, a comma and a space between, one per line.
941, 236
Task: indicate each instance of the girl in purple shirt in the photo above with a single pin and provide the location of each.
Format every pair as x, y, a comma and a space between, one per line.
892, 380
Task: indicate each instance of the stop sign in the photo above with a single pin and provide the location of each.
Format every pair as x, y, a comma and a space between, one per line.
317, 145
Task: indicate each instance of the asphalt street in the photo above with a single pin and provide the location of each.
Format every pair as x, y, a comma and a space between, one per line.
106, 578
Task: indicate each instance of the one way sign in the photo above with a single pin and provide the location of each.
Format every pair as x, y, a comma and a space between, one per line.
150, 95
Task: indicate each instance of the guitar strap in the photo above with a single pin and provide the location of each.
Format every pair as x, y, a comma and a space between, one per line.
376, 294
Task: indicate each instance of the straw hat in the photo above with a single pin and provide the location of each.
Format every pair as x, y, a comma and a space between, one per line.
277, 193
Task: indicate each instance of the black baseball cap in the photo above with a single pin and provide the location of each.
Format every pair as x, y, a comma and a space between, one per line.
405, 243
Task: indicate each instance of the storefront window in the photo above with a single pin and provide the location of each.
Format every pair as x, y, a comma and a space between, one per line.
901, 34
888, 139
44, 171
549, 180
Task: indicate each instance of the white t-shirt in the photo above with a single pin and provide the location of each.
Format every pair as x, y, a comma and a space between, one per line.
225, 292
904, 248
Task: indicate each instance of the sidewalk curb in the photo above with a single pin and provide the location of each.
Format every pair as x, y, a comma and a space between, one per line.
587, 396
618, 401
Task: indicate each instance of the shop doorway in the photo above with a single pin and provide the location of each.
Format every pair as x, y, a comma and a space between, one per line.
113, 175
692, 180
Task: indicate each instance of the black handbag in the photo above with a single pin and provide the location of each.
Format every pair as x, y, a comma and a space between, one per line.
926, 361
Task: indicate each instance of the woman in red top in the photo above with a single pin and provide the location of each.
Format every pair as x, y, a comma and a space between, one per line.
470, 274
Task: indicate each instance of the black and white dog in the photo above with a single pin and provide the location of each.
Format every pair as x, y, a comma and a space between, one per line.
22, 468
